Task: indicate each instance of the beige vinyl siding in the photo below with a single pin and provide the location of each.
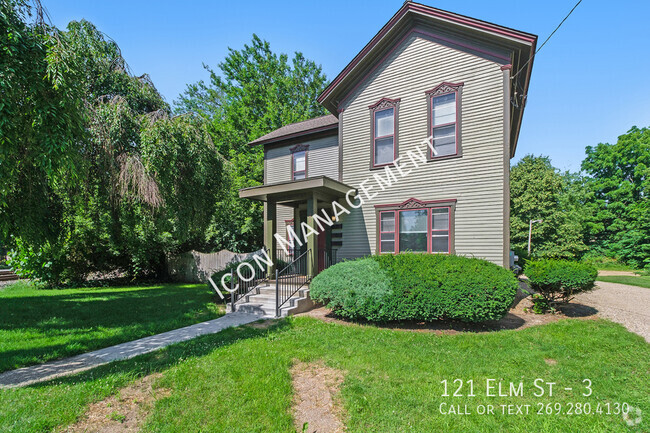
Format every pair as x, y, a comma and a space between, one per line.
475, 180
284, 213
322, 160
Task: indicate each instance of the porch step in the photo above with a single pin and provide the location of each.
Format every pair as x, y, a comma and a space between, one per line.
7, 275
262, 301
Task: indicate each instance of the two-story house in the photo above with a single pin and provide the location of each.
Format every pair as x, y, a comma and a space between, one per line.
427, 73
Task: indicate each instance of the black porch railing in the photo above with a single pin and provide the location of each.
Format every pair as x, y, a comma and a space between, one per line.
290, 279
249, 280
283, 258
326, 258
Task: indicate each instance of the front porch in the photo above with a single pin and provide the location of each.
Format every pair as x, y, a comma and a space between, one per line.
306, 198
283, 288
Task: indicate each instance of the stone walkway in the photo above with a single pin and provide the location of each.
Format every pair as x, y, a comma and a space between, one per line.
64, 367
621, 303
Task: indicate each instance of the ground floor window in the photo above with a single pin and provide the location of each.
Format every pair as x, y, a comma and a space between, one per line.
425, 229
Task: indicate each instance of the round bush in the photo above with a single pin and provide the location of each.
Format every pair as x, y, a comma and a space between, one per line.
416, 287
355, 289
559, 280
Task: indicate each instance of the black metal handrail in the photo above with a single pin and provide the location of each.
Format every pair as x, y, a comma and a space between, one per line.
251, 279
290, 279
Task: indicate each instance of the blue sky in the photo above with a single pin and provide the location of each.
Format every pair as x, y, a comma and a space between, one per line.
590, 83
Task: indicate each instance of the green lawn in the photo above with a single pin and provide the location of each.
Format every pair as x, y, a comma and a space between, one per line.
42, 325
641, 281
238, 380
608, 264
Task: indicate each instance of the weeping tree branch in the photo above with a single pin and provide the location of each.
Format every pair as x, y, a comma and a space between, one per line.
134, 180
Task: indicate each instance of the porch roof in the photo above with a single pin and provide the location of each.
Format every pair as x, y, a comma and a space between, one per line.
295, 191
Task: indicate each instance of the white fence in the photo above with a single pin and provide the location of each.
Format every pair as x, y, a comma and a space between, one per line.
196, 267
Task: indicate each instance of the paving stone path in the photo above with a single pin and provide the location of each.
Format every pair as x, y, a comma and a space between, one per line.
64, 367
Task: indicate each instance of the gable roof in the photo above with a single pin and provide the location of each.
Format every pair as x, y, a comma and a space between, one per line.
517, 44
299, 129
514, 50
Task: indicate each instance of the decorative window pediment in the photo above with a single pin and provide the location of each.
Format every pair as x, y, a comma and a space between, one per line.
411, 203
384, 103
416, 226
444, 119
443, 88
299, 148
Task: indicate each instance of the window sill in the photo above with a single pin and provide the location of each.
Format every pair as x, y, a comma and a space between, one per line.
442, 158
380, 167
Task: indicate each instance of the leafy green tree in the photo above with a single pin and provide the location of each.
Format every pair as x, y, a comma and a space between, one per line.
254, 92
619, 178
539, 191
141, 184
40, 121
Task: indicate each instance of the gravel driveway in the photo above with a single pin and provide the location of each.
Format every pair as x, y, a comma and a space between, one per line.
627, 305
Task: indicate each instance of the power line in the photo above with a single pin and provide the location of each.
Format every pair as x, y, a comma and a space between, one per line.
544, 43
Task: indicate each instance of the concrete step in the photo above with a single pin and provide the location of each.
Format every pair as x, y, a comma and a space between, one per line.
269, 298
259, 309
7, 275
263, 302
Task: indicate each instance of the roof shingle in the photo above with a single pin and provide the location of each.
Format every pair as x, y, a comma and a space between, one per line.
305, 127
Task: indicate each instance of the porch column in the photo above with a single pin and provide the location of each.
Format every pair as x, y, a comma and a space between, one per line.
312, 241
296, 226
270, 227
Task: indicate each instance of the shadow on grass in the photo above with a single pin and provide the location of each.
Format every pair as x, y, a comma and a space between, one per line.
168, 357
517, 318
509, 321
39, 328
107, 308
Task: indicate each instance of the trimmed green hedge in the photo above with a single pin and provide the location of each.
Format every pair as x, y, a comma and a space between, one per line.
416, 287
559, 280
355, 289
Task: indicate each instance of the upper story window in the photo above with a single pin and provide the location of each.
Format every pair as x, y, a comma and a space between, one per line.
415, 226
444, 119
384, 127
299, 161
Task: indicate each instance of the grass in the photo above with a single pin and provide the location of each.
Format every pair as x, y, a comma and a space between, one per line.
641, 281
608, 264
42, 325
238, 380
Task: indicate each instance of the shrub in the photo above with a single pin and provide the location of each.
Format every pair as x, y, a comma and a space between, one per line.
430, 287
416, 287
559, 280
355, 289
540, 304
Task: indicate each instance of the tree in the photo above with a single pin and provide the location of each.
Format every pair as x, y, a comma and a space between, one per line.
539, 191
255, 92
141, 184
619, 178
40, 121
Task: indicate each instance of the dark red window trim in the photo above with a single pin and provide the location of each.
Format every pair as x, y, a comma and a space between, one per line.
432, 231
382, 105
394, 232
429, 229
293, 163
415, 204
443, 89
